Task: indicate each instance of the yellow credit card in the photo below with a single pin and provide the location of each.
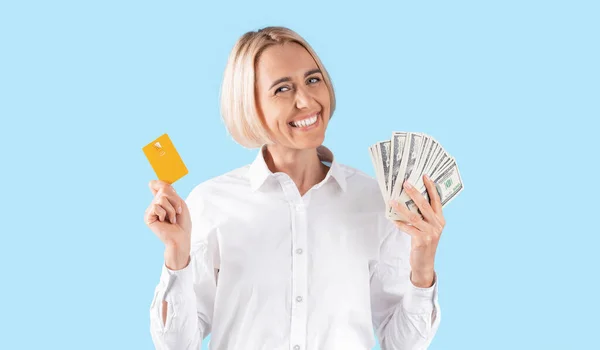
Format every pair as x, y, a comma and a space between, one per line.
165, 160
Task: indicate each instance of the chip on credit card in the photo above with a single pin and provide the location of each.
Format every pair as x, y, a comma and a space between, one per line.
165, 160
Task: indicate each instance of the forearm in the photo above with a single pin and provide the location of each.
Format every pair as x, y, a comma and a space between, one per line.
415, 319
173, 262
174, 320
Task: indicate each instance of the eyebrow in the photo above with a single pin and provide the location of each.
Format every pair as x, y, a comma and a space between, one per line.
281, 80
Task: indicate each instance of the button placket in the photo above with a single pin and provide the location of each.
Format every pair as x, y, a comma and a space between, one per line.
299, 264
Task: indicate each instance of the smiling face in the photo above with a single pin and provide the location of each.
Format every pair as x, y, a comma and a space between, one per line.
291, 96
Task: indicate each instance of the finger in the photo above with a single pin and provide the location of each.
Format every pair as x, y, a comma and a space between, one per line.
156, 185
167, 204
150, 216
411, 230
414, 219
158, 211
421, 203
434, 196
173, 198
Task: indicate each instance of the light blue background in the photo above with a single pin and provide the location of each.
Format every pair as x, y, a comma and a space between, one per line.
510, 88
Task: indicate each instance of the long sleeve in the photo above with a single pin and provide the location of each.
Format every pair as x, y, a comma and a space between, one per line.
404, 316
189, 292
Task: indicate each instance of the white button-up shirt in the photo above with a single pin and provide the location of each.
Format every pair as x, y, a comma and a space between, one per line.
271, 269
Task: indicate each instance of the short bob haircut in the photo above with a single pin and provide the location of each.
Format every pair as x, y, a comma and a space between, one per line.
238, 103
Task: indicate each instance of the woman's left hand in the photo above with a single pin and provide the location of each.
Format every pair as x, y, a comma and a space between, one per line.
425, 231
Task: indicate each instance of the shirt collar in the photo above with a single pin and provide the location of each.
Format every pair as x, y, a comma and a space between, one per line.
259, 172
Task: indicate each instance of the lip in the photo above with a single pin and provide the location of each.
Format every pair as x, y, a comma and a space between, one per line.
304, 117
305, 128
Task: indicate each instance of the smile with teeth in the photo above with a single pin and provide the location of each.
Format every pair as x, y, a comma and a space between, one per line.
305, 122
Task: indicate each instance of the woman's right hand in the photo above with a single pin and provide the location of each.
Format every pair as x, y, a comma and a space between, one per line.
169, 218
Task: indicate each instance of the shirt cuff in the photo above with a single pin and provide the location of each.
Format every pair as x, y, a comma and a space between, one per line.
419, 300
176, 282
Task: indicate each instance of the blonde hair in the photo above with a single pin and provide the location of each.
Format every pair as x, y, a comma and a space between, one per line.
238, 104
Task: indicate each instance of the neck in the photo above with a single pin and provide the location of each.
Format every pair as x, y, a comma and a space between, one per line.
303, 166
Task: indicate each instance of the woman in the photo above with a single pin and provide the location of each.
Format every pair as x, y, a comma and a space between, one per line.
292, 251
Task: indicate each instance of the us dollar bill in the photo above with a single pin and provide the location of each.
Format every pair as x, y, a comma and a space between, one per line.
384, 154
409, 159
407, 156
448, 185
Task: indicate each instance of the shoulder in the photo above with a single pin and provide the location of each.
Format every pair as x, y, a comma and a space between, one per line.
218, 189
359, 177
360, 183
208, 201
366, 202
363, 195
235, 177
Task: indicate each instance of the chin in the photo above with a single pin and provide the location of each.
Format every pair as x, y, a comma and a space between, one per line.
310, 137
310, 144
310, 141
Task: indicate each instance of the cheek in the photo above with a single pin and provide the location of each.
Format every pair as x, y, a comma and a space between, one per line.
324, 96
270, 111
326, 103
274, 115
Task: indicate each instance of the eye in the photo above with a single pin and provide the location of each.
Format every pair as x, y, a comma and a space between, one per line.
315, 79
279, 89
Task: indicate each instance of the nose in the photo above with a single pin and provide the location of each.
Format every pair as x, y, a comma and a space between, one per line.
304, 98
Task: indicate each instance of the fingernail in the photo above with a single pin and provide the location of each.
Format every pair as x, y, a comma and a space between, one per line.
407, 185
179, 210
174, 219
427, 177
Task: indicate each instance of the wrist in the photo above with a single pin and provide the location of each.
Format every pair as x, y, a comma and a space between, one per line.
422, 279
178, 263
176, 260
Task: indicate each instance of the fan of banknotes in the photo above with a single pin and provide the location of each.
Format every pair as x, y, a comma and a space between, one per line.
408, 156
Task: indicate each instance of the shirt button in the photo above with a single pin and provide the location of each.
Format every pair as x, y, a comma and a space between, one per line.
298, 298
299, 251
297, 347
